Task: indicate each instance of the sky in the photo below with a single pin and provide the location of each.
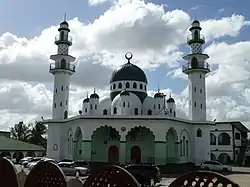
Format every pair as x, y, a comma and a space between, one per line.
103, 31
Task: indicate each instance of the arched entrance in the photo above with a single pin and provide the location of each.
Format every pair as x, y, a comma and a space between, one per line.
135, 155
5, 154
78, 144
113, 154
104, 138
224, 158
144, 139
18, 156
172, 155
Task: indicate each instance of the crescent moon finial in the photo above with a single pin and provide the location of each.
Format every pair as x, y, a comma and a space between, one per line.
128, 56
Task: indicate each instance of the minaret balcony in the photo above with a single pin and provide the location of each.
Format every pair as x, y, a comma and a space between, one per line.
65, 67
195, 38
63, 39
200, 66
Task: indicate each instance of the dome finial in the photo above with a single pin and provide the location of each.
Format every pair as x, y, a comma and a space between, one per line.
65, 17
94, 90
158, 88
87, 94
128, 56
170, 95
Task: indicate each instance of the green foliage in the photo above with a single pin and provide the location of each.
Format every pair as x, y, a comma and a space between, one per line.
30, 133
20, 132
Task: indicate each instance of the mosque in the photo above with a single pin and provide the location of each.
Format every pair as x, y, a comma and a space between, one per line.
130, 126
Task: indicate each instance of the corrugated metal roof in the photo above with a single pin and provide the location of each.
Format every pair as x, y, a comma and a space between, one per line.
10, 144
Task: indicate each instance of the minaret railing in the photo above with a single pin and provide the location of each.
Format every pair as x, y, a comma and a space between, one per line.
199, 65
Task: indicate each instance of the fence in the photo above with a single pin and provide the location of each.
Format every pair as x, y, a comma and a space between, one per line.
47, 174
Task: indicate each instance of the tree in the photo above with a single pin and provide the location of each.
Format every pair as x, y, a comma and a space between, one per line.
20, 132
37, 134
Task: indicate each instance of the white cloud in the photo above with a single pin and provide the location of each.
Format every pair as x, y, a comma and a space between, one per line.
151, 33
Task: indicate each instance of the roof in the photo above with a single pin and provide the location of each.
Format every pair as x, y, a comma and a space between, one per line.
11, 144
94, 96
128, 72
170, 100
237, 125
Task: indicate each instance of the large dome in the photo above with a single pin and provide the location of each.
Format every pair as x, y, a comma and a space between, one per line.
128, 72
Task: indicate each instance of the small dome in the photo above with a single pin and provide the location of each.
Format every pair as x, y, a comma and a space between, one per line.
170, 100
64, 23
196, 22
159, 95
128, 72
124, 93
94, 96
86, 100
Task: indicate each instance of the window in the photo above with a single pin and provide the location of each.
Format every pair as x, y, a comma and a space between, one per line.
115, 110
194, 104
65, 114
141, 87
184, 146
114, 86
154, 106
91, 107
199, 133
62, 88
170, 110
127, 84
174, 114
110, 87
120, 85
159, 106
187, 148
66, 102
55, 105
201, 106
224, 139
124, 104
212, 139
149, 112
145, 87
56, 90
237, 136
200, 90
128, 104
63, 63
136, 111
181, 147
67, 87
194, 89
61, 103
86, 110
105, 112
200, 76
134, 85
236, 152
95, 106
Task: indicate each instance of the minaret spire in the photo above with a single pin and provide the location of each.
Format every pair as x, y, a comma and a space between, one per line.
62, 69
196, 68
158, 88
65, 17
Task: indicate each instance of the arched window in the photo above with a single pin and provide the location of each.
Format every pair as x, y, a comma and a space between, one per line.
124, 104
194, 62
134, 85
199, 133
91, 107
128, 104
120, 85
56, 90
61, 35
145, 87
141, 87
149, 112
194, 104
170, 110
114, 86
212, 139
154, 106
95, 106
65, 114
184, 146
224, 139
86, 110
61, 103
159, 106
196, 34
194, 89
55, 105
187, 148
115, 110
174, 114
127, 84
181, 147
105, 112
63, 63
62, 88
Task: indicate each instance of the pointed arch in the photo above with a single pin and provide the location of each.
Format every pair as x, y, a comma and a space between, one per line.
63, 63
127, 85
194, 63
134, 85
120, 85
186, 145
198, 133
172, 155
70, 141
78, 136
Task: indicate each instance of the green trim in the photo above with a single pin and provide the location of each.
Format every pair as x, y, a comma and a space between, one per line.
221, 131
221, 150
123, 141
134, 118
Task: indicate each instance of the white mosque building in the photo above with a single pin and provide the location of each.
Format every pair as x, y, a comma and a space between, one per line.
131, 126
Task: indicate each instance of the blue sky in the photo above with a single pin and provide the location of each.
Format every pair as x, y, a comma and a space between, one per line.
28, 20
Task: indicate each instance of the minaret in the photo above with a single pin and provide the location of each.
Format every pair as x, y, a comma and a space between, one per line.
196, 68
62, 70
